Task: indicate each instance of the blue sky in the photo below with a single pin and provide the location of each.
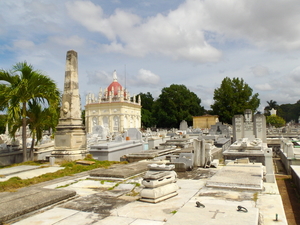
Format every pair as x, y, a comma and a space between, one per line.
158, 43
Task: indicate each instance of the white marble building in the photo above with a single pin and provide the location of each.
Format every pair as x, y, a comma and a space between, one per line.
112, 109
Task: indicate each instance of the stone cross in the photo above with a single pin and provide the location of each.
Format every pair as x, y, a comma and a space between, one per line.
216, 212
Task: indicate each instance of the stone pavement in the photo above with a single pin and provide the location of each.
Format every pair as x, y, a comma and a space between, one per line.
108, 201
26, 171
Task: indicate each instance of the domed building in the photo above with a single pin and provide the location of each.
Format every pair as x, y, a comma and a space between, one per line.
113, 109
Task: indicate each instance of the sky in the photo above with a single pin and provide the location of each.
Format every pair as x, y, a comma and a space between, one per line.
153, 44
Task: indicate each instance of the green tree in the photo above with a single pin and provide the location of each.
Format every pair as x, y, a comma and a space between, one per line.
176, 103
147, 102
276, 121
3, 121
38, 119
19, 86
271, 105
232, 98
289, 112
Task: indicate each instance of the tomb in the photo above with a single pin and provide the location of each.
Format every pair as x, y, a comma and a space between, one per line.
289, 153
249, 136
247, 126
114, 150
244, 148
70, 137
160, 183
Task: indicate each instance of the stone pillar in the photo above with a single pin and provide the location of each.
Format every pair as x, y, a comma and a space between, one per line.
202, 153
197, 150
199, 153
260, 130
270, 177
70, 137
290, 150
238, 127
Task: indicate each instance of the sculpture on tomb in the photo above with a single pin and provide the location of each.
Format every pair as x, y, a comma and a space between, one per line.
70, 137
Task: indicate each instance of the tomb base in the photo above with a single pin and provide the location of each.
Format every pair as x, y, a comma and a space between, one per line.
70, 143
159, 192
156, 200
68, 155
160, 183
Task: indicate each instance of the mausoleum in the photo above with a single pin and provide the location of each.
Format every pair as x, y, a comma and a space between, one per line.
205, 121
113, 109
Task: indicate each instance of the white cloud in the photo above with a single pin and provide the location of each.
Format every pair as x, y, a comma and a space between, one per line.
147, 77
264, 87
99, 78
177, 35
73, 41
260, 71
266, 24
296, 73
23, 44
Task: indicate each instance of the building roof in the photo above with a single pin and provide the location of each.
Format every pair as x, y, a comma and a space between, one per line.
115, 85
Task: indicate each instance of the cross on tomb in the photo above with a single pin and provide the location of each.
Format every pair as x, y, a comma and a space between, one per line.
216, 212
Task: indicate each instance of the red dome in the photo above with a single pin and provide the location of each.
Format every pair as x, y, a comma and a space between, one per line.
116, 87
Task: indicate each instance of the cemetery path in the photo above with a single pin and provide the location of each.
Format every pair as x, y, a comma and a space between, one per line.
290, 198
289, 194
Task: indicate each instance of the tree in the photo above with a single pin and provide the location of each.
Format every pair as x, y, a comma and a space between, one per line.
275, 121
232, 98
38, 119
271, 105
147, 102
176, 103
21, 85
3, 121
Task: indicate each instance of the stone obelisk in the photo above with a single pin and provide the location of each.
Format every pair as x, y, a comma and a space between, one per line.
70, 136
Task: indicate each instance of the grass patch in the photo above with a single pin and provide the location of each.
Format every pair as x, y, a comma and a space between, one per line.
70, 169
255, 196
111, 188
103, 181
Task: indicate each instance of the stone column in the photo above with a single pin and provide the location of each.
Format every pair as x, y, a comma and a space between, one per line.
270, 177
70, 137
260, 129
197, 146
290, 150
238, 127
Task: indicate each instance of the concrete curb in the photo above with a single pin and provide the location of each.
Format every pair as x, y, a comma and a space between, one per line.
26, 200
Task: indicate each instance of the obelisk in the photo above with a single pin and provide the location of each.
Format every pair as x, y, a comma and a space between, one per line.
70, 136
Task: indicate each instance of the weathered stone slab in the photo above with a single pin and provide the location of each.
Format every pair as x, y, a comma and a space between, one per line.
27, 200
154, 193
162, 167
247, 176
152, 183
155, 175
162, 198
121, 170
215, 212
85, 162
16, 169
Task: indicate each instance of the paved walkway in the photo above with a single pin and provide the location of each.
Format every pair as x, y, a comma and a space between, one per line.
104, 201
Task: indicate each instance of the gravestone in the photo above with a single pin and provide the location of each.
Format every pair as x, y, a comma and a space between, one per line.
70, 137
247, 126
100, 131
133, 134
183, 125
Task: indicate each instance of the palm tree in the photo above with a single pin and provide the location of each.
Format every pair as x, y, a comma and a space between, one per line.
271, 105
21, 85
39, 119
